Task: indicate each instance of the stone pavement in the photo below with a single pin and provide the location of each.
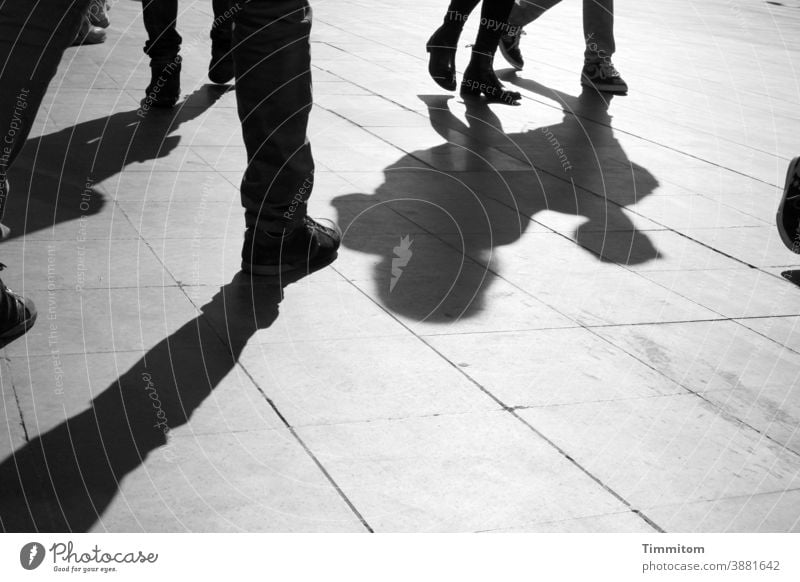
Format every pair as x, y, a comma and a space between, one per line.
598, 333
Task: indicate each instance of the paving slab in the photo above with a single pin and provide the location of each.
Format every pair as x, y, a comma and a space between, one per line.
453, 473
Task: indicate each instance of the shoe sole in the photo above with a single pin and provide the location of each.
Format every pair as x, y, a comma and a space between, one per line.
509, 59
792, 245
17, 331
285, 269
219, 80
605, 88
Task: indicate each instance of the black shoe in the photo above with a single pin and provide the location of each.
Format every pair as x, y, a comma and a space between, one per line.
220, 69
164, 89
509, 48
479, 79
788, 218
89, 34
17, 314
603, 76
442, 60
308, 247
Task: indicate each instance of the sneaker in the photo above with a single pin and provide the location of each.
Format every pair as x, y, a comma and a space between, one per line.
17, 314
220, 69
164, 89
602, 76
308, 247
509, 48
788, 218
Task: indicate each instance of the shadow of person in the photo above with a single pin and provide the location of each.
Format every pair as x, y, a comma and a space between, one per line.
64, 479
54, 177
434, 226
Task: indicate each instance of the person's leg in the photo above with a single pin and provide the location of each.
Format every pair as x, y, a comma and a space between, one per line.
273, 94
442, 43
163, 47
598, 29
220, 68
32, 42
160, 20
522, 13
479, 77
526, 11
494, 22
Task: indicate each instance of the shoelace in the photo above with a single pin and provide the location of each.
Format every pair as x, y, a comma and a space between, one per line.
607, 70
317, 227
516, 38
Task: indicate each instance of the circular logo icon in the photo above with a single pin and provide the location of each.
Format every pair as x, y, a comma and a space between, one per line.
31, 555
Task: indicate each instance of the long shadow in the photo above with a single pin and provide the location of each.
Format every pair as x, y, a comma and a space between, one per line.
63, 480
55, 175
434, 225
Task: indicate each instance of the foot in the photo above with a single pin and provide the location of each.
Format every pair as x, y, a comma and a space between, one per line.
17, 314
509, 48
307, 248
479, 79
788, 218
89, 34
442, 61
603, 76
97, 13
164, 89
220, 69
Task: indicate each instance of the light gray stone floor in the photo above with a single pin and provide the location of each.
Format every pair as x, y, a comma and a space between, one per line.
610, 347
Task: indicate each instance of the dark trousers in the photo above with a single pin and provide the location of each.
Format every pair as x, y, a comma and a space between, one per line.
160, 21
33, 37
598, 23
493, 22
273, 93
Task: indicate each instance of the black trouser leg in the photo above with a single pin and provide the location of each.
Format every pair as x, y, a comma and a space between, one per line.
494, 23
273, 94
32, 41
160, 19
224, 11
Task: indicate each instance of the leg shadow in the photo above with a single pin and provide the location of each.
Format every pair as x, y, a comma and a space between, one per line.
63, 480
54, 177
